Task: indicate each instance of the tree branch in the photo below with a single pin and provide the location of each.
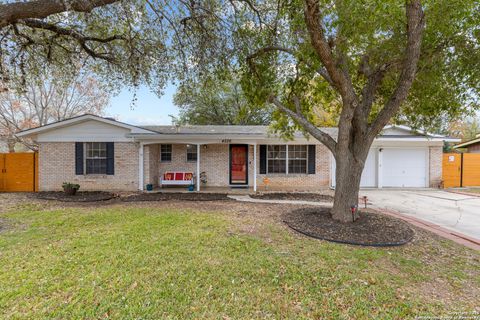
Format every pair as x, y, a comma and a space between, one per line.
321, 46
11, 13
415, 27
80, 38
321, 71
317, 133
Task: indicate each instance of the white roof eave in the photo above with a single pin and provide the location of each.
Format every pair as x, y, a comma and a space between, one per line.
75, 120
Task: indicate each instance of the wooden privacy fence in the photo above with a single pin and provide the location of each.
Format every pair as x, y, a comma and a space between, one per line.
461, 170
18, 172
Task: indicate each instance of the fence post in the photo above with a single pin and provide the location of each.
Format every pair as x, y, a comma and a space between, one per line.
461, 170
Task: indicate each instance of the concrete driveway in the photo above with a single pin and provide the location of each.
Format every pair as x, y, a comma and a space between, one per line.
457, 212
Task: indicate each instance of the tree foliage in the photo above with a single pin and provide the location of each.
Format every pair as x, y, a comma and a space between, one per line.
217, 102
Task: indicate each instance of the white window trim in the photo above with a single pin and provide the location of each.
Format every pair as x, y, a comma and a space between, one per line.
286, 160
306, 159
171, 152
194, 146
85, 158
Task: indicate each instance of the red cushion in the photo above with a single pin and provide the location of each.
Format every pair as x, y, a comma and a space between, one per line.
168, 176
188, 176
179, 176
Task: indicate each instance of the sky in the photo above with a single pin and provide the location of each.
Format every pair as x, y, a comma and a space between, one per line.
149, 109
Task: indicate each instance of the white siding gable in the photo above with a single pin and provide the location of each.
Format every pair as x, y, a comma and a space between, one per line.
88, 131
393, 131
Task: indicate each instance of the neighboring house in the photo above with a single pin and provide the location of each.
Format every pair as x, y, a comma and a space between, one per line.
472, 146
104, 154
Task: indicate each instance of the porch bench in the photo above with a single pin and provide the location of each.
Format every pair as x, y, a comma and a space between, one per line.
177, 179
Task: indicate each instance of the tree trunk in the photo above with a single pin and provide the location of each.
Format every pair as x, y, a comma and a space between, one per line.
11, 145
348, 173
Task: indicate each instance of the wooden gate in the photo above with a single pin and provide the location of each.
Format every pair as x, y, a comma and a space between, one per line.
18, 172
461, 170
452, 170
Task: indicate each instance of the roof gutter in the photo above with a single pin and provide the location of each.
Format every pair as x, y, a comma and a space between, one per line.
467, 143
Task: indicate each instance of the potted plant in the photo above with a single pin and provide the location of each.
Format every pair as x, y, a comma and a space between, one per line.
203, 177
70, 188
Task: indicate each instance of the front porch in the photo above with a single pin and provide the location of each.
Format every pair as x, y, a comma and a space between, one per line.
223, 167
222, 190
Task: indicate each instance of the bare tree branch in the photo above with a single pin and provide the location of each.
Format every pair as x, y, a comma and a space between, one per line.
11, 13
317, 133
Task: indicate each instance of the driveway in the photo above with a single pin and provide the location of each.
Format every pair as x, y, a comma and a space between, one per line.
457, 212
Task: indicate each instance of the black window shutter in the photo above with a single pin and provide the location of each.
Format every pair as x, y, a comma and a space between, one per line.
79, 158
311, 159
110, 158
263, 159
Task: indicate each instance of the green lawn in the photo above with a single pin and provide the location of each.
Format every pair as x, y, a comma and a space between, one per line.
149, 263
473, 190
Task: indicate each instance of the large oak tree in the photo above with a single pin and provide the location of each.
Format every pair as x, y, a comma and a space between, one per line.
371, 61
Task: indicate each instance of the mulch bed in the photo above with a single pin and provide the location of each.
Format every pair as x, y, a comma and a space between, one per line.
371, 229
293, 196
191, 196
81, 196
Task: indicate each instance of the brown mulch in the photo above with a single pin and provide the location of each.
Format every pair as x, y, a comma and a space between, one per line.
303, 196
190, 196
81, 196
370, 229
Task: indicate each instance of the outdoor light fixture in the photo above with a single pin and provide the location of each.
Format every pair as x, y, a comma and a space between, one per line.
354, 210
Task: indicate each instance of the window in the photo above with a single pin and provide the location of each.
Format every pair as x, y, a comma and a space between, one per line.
297, 159
96, 157
289, 159
276, 158
166, 152
191, 153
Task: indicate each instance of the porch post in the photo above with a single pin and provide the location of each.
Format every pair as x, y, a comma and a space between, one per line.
198, 167
255, 167
140, 167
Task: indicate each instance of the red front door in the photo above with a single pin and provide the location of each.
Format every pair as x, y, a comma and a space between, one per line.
238, 164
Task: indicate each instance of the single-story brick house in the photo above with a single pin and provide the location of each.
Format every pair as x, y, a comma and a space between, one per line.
472, 146
104, 154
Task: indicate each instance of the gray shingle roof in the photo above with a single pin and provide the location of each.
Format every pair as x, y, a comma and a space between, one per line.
223, 129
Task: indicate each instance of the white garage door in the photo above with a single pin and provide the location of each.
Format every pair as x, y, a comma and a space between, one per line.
404, 167
369, 174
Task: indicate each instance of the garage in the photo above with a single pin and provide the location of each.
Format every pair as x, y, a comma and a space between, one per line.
404, 167
369, 174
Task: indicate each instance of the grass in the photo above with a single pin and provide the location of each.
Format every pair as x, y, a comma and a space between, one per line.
150, 263
473, 190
